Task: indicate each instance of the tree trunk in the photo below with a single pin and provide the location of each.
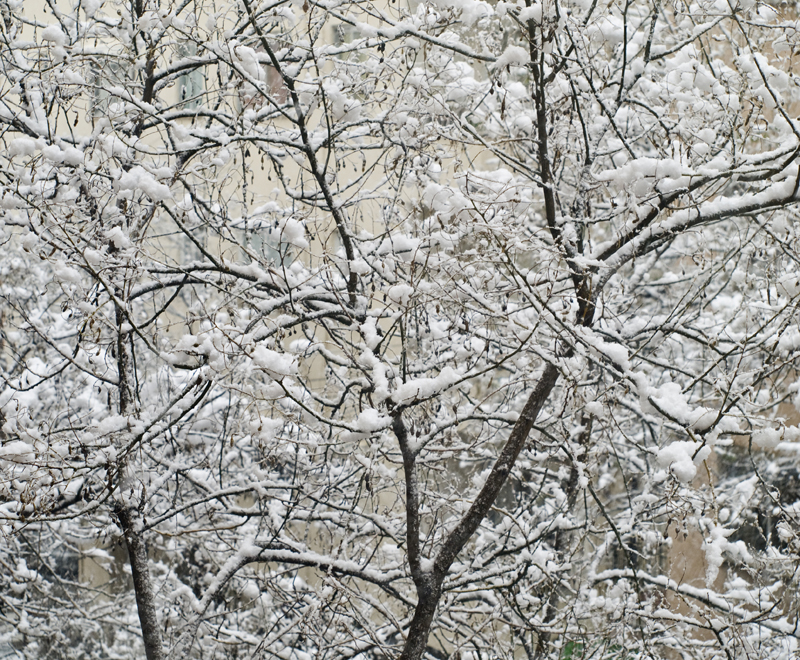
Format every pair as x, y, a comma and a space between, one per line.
131, 523
129, 517
417, 639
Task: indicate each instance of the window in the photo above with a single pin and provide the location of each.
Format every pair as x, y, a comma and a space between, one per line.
106, 72
191, 81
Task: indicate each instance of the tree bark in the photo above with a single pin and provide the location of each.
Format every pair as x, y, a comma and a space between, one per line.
417, 640
131, 523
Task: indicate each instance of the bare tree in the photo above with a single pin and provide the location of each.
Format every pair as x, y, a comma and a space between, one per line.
341, 329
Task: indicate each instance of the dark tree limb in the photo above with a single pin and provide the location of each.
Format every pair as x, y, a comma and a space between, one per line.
133, 530
429, 583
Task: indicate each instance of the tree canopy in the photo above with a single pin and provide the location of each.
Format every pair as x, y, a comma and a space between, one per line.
354, 329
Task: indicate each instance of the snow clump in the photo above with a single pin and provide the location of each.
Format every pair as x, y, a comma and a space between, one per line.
513, 56
681, 459
277, 365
